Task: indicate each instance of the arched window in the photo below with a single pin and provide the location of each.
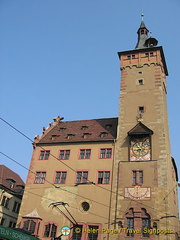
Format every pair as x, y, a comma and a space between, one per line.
137, 218
145, 222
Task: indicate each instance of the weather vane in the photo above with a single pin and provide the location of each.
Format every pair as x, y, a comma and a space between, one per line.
142, 15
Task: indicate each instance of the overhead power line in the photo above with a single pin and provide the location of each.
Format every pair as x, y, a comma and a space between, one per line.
59, 160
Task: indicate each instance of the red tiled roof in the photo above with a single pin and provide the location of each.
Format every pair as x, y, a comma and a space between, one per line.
6, 173
80, 131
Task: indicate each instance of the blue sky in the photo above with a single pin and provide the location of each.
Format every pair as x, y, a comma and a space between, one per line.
60, 58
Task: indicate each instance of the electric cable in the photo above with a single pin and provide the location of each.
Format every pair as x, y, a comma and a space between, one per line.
49, 199
58, 187
134, 200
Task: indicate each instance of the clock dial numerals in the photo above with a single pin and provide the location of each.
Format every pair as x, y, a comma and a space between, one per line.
140, 149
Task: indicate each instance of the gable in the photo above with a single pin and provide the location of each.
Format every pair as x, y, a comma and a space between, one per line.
140, 129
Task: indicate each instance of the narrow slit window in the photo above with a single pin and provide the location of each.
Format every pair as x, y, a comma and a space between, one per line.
141, 109
140, 82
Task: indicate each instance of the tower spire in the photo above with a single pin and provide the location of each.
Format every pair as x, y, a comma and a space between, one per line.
143, 40
142, 34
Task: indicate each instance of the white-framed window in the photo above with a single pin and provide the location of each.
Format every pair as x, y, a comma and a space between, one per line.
103, 177
105, 152
85, 153
40, 177
81, 176
60, 177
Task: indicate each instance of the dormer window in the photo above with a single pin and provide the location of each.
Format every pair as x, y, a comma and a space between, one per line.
86, 135
70, 136
53, 137
108, 126
84, 127
62, 129
103, 134
11, 183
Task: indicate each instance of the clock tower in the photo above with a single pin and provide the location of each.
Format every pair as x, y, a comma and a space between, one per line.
145, 174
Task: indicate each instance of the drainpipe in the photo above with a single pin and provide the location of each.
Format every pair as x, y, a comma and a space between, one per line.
110, 200
117, 187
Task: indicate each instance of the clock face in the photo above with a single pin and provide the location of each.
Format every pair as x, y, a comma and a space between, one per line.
140, 149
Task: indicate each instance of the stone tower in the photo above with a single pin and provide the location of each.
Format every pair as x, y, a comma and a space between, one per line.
145, 175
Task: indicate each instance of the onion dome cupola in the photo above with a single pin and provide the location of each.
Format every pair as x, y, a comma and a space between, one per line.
143, 40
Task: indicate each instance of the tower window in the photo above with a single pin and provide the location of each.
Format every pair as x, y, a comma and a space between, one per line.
129, 57
137, 177
133, 56
140, 81
130, 227
141, 109
140, 72
146, 54
145, 225
151, 54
